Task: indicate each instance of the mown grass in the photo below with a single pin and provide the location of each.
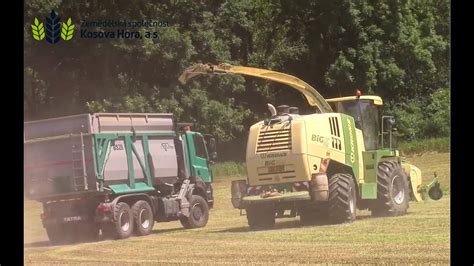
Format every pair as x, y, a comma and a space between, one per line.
421, 236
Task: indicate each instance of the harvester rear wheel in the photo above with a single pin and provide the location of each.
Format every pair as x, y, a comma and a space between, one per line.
392, 190
198, 213
260, 217
342, 198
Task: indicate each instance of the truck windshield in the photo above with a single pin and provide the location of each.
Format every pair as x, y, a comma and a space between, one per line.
365, 115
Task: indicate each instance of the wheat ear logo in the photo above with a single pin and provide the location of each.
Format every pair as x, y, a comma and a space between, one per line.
53, 30
38, 30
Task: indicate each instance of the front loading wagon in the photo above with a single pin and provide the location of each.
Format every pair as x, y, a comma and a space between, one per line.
117, 173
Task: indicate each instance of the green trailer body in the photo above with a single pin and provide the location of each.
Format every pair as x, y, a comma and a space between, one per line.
82, 167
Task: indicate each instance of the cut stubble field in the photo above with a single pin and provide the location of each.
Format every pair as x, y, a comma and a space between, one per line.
421, 236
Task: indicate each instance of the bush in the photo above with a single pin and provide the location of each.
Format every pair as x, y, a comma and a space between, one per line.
422, 118
227, 169
426, 145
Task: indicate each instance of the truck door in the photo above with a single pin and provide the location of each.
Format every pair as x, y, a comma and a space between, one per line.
198, 156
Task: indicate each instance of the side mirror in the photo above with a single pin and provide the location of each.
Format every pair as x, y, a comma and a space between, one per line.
389, 122
211, 147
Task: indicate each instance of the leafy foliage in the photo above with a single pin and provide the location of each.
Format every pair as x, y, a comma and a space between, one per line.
398, 50
423, 117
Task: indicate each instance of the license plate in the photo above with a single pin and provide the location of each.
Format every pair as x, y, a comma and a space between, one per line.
276, 168
72, 219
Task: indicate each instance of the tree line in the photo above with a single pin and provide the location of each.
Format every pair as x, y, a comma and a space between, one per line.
398, 50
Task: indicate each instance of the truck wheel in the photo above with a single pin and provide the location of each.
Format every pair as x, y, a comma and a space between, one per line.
260, 218
143, 217
392, 190
88, 232
57, 235
342, 198
122, 227
198, 213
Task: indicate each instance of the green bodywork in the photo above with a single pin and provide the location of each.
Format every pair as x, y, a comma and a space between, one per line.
198, 164
371, 159
103, 143
350, 140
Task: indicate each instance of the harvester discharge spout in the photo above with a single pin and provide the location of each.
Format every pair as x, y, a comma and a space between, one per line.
312, 95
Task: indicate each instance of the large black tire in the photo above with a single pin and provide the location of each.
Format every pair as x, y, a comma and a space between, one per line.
198, 213
143, 217
260, 217
342, 198
86, 231
122, 226
392, 190
58, 235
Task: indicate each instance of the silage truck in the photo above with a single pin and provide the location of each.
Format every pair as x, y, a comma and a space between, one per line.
117, 173
321, 165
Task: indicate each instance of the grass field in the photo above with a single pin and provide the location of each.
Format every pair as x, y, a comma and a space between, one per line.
421, 236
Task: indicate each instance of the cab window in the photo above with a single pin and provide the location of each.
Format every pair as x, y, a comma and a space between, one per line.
365, 115
199, 146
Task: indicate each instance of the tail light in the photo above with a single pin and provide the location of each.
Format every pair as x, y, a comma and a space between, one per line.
323, 166
104, 207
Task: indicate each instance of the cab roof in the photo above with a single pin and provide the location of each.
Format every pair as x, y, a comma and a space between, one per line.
376, 99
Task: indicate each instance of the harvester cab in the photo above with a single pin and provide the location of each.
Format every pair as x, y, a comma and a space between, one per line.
366, 113
329, 162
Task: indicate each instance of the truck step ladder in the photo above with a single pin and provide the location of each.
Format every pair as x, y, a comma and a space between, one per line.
79, 166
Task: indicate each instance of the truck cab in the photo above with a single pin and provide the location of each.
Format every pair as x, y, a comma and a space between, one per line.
199, 154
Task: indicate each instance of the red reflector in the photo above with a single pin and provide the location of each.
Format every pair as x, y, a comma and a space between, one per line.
104, 207
324, 165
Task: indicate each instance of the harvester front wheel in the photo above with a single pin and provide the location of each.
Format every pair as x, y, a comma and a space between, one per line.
342, 198
260, 217
392, 190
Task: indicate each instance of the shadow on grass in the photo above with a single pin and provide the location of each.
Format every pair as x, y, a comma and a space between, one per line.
161, 231
46, 243
286, 225
38, 244
42, 244
278, 225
